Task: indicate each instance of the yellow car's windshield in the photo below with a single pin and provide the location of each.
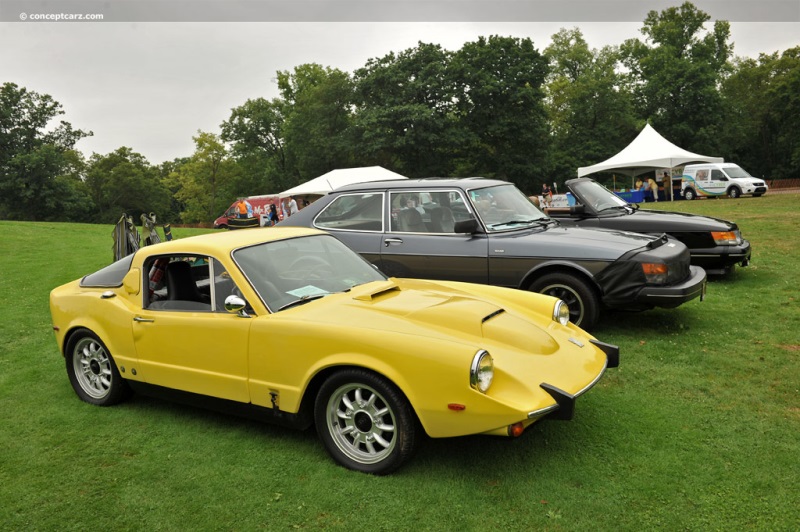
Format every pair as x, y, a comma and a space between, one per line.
302, 269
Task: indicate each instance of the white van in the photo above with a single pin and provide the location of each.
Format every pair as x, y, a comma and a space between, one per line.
716, 179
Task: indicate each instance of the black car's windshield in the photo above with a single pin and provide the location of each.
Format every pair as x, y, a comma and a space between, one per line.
504, 207
287, 272
597, 197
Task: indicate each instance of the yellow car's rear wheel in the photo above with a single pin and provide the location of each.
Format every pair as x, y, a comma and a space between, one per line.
365, 422
92, 371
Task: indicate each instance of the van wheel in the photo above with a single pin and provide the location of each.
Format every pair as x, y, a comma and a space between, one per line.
582, 301
734, 192
689, 194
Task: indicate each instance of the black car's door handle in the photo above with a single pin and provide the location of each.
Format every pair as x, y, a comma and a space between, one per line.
389, 241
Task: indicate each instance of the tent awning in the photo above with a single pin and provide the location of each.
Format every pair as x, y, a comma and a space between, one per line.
338, 178
648, 151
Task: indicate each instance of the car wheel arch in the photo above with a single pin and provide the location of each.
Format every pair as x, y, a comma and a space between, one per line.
559, 267
590, 304
320, 377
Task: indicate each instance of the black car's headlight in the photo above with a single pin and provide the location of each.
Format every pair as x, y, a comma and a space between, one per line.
561, 312
655, 272
481, 372
726, 238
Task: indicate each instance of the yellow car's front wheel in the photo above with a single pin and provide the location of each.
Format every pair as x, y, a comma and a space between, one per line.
365, 422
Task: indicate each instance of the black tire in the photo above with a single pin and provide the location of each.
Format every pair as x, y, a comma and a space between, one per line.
756, 195
365, 422
583, 302
734, 192
689, 194
92, 371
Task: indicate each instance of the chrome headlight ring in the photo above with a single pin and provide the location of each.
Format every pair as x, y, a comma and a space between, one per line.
561, 312
481, 372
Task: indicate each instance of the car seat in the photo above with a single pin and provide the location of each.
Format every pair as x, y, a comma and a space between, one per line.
410, 221
442, 220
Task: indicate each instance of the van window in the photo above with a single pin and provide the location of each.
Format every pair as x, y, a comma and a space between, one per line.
736, 172
717, 175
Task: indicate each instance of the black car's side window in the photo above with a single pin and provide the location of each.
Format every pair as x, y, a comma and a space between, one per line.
353, 212
422, 211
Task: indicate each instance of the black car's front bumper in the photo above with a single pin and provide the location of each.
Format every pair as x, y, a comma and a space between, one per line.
719, 259
673, 295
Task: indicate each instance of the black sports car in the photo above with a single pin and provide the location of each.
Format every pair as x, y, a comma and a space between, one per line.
716, 245
486, 231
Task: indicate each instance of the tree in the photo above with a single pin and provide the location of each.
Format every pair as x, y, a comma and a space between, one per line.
204, 180
590, 112
405, 108
33, 155
762, 109
255, 131
675, 75
318, 102
500, 105
123, 181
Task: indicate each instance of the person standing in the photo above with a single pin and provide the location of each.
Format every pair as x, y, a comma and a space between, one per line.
653, 188
273, 215
241, 208
293, 206
547, 195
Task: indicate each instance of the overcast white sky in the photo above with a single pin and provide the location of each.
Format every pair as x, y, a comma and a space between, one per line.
152, 85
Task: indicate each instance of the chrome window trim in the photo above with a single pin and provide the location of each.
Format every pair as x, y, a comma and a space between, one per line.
362, 193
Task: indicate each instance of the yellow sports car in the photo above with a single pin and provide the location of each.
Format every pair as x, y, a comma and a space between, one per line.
290, 326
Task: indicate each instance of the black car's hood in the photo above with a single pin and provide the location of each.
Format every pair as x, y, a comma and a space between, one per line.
659, 221
567, 243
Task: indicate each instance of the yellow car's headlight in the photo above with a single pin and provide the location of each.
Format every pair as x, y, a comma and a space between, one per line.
481, 372
561, 312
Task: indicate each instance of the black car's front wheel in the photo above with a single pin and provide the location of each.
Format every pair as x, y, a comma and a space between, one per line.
582, 301
92, 371
365, 422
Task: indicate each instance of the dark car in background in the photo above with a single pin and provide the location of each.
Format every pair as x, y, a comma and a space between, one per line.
487, 231
716, 245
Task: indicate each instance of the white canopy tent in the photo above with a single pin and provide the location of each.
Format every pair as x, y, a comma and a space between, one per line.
648, 151
334, 179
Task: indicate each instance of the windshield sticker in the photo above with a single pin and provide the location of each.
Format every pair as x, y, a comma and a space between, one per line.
307, 291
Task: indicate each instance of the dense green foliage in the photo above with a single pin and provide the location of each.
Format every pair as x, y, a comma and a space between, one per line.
696, 430
496, 107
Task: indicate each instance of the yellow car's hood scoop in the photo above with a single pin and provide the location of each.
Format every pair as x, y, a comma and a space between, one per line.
376, 290
454, 312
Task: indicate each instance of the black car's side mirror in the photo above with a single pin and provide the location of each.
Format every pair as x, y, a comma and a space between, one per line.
469, 225
577, 209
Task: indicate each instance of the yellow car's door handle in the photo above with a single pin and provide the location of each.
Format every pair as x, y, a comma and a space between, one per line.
143, 320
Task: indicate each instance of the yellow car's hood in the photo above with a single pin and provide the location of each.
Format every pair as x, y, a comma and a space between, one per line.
429, 309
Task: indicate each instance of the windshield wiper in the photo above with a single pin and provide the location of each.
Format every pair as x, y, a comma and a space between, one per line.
304, 299
513, 222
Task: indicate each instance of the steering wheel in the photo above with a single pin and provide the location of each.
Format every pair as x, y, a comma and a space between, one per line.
313, 267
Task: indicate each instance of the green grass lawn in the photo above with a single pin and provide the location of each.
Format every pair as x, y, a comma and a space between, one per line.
699, 427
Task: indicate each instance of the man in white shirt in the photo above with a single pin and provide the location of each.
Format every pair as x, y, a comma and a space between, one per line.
293, 206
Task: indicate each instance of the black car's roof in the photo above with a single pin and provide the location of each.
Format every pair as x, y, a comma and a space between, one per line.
431, 182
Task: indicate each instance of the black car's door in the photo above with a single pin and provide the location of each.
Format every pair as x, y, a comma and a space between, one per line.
419, 240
